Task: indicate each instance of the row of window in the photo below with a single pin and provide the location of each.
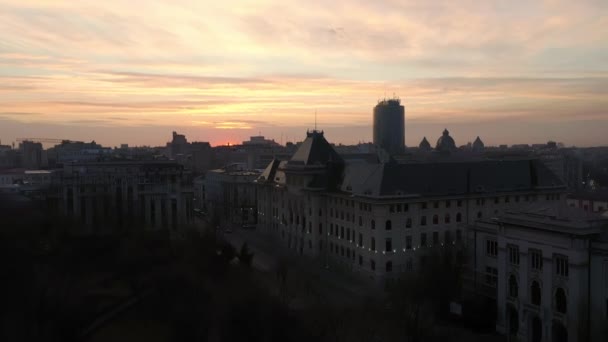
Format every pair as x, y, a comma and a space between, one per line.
560, 302
536, 258
388, 242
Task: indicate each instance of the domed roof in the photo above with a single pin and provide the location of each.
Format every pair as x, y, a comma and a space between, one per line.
424, 144
445, 143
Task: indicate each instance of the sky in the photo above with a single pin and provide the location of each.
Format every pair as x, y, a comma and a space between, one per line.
221, 71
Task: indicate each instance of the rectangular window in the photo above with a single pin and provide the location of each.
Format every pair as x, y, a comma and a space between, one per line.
348, 234
409, 266
423, 205
423, 221
320, 228
360, 221
373, 265
491, 276
360, 260
459, 203
408, 223
435, 238
399, 208
408, 242
406, 207
423, 240
342, 232
388, 245
448, 203
561, 265
436, 205
360, 239
491, 248
536, 260
447, 237
331, 228
458, 235
513, 254
392, 208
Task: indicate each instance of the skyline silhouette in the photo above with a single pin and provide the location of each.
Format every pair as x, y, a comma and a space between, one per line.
510, 72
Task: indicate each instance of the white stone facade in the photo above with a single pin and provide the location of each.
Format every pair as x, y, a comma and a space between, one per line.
550, 275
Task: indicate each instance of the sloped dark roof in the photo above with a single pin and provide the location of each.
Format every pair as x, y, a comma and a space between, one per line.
315, 150
451, 178
271, 173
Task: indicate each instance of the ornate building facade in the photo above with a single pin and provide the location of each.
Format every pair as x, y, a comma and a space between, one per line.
379, 219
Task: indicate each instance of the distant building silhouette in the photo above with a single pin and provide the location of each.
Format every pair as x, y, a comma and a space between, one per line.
478, 145
445, 143
389, 126
425, 145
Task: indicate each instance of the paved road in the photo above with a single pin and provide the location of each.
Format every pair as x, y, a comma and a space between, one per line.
310, 277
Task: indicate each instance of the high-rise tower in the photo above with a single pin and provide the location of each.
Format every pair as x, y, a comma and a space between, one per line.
389, 125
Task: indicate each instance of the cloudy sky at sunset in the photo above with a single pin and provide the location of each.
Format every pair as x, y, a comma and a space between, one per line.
220, 71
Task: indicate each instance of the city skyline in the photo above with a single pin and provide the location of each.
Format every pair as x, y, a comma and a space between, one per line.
509, 72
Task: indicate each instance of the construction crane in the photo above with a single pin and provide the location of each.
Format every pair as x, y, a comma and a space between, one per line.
43, 140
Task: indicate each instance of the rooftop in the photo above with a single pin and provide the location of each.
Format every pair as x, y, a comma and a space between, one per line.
562, 219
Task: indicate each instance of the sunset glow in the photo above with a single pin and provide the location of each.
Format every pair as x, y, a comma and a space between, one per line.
221, 71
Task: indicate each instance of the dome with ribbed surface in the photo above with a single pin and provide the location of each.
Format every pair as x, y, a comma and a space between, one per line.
445, 143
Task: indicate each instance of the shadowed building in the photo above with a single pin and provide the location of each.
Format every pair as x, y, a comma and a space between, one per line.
118, 196
547, 270
478, 145
424, 145
380, 219
445, 143
389, 126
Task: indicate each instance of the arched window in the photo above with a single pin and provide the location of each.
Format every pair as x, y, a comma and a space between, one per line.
513, 288
435, 219
459, 217
373, 224
388, 225
535, 293
447, 218
561, 304
373, 244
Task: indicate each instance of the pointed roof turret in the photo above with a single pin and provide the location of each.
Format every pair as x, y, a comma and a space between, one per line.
478, 145
315, 150
424, 144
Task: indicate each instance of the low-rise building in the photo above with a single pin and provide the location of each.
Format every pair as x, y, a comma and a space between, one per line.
117, 196
230, 193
